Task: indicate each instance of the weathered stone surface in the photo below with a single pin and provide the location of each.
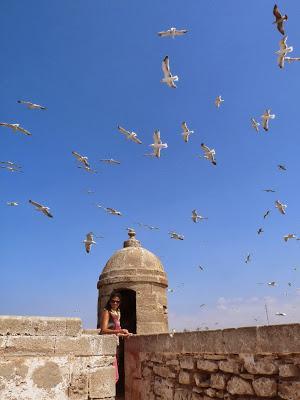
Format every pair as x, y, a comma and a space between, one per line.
164, 388
289, 390
102, 383
73, 327
147, 372
263, 367
230, 366
29, 345
161, 371
265, 387
239, 386
210, 392
206, 365
86, 345
241, 340
289, 370
218, 381
202, 380
184, 378
278, 339
47, 376
12, 367
182, 394
187, 363
78, 389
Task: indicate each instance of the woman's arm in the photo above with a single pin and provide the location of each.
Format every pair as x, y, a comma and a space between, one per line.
104, 325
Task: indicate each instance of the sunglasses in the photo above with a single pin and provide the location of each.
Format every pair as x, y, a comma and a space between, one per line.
115, 301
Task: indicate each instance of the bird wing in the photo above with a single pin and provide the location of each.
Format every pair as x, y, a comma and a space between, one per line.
163, 33
282, 43
87, 246
266, 124
19, 128
205, 148
157, 151
180, 32
276, 12
156, 137
280, 27
111, 209
122, 130
89, 237
166, 67
280, 60
34, 203
46, 212
5, 124
184, 127
136, 140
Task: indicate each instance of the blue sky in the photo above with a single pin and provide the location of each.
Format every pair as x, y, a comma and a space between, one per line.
98, 64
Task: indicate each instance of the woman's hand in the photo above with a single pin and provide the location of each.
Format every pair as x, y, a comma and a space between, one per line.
124, 331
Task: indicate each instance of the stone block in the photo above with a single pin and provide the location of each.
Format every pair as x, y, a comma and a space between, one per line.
207, 365
262, 367
163, 388
3, 340
289, 390
239, 386
102, 383
29, 345
86, 345
161, 371
78, 388
183, 394
174, 363
230, 366
12, 367
202, 380
265, 387
73, 327
184, 378
218, 381
146, 372
289, 371
187, 362
278, 339
210, 392
241, 340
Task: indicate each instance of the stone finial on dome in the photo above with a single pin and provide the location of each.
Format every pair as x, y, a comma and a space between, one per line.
132, 241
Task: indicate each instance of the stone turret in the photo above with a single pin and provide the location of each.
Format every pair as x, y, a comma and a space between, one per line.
140, 278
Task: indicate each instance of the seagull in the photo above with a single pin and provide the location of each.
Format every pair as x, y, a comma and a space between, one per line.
32, 106
81, 159
89, 191
269, 190
11, 168
255, 124
248, 258
209, 154
40, 207
15, 127
272, 284
289, 283
130, 135
195, 217
89, 241
171, 334
260, 231
172, 32
88, 169
281, 167
110, 161
186, 132
267, 213
158, 144
266, 117
199, 266
110, 210
283, 51
151, 227
291, 59
12, 203
279, 19
174, 235
169, 79
11, 163
171, 290
281, 207
218, 101
289, 236
282, 314
202, 305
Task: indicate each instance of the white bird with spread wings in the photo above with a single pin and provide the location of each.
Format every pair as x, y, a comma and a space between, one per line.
32, 106
283, 51
82, 159
168, 79
209, 154
172, 32
158, 145
16, 127
266, 117
130, 135
196, 217
40, 207
186, 132
89, 241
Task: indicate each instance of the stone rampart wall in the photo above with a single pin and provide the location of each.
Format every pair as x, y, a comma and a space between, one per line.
234, 364
53, 358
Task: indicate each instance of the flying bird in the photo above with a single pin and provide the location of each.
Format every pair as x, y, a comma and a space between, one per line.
260, 231
130, 135
40, 207
171, 334
88, 169
16, 127
186, 132
281, 167
168, 79
158, 145
266, 117
266, 214
281, 314
196, 217
89, 241
110, 210
11, 168
32, 106
291, 59
110, 161
199, 266
172, 32
177, 236
248, 258
82, 159
272, 284
255, 124
209, 154
218, 101
12, 203
289, 236
281, 207
283, 51
269, 190
279, 19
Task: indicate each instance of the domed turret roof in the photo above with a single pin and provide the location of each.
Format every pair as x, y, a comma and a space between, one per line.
133, 263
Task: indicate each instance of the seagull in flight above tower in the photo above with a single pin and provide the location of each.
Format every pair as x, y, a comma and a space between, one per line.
158, 145
175, 235
89, 241
279, 19
283, 51
32, 106
130, 135
16, 127
169, 79
110, 210
255, 124
218, 101
266, 117
196, 217
281, 207
172, 32
81, 159
40, 207
186, 132
209, 154
289, 236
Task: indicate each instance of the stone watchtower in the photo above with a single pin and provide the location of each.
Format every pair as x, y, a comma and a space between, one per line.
140, 278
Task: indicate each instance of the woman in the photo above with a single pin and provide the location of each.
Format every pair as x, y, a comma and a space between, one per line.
110, 322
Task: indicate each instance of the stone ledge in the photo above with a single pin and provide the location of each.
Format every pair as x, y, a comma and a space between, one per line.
39, 326
87, 345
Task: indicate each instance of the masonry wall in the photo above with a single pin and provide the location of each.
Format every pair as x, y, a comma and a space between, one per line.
239, 364
53, 358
